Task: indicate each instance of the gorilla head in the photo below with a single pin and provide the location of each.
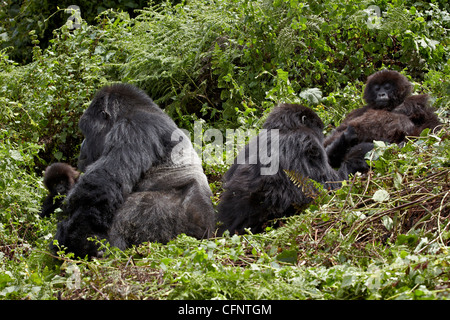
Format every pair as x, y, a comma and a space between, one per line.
59, 178
132, 189
386, 89
290, 117
111, 104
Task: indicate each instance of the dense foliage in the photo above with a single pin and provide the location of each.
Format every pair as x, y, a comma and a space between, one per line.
42, 16
384, 235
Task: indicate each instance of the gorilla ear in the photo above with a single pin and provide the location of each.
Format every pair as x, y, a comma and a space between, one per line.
304, 119
105, 115
111, 107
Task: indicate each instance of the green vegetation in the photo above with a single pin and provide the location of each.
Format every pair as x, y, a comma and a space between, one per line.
384, 235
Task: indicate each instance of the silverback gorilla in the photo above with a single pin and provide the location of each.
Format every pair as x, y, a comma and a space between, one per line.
142, 179
252, 198
59, 178
390, 115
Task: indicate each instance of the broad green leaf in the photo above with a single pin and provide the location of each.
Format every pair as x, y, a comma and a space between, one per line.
312, 95
381, 196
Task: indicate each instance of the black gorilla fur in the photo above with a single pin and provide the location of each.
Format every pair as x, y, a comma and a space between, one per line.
142, 181
417, 109
390, 115
251, 199
59, 178
373, 125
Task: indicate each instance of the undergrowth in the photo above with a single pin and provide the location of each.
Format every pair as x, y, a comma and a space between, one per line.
358, 242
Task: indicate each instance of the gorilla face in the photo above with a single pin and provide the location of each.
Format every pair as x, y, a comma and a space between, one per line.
61, 187
383, 93
59, 178
386, 89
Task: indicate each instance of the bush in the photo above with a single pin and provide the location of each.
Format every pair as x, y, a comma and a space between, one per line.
18, 19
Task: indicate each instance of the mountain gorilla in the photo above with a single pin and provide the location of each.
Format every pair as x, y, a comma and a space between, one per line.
253, 196
59, 178
385, 90
390, 115
142, 181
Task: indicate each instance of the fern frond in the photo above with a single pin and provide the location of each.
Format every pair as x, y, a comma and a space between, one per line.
308, 186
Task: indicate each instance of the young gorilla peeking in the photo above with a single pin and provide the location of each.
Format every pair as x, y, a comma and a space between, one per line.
255, 195
143, 180
59, 178
390, 115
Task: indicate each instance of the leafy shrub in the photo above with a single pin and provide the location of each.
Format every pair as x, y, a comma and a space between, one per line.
18, 19
60, 81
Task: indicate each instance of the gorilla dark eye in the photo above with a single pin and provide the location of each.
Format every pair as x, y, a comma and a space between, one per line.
376, 88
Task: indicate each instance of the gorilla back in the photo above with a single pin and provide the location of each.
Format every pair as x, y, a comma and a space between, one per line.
142, 181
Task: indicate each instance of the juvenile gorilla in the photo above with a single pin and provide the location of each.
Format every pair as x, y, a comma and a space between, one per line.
142, 181
59, 178
385, 90
252, 198
390, 115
